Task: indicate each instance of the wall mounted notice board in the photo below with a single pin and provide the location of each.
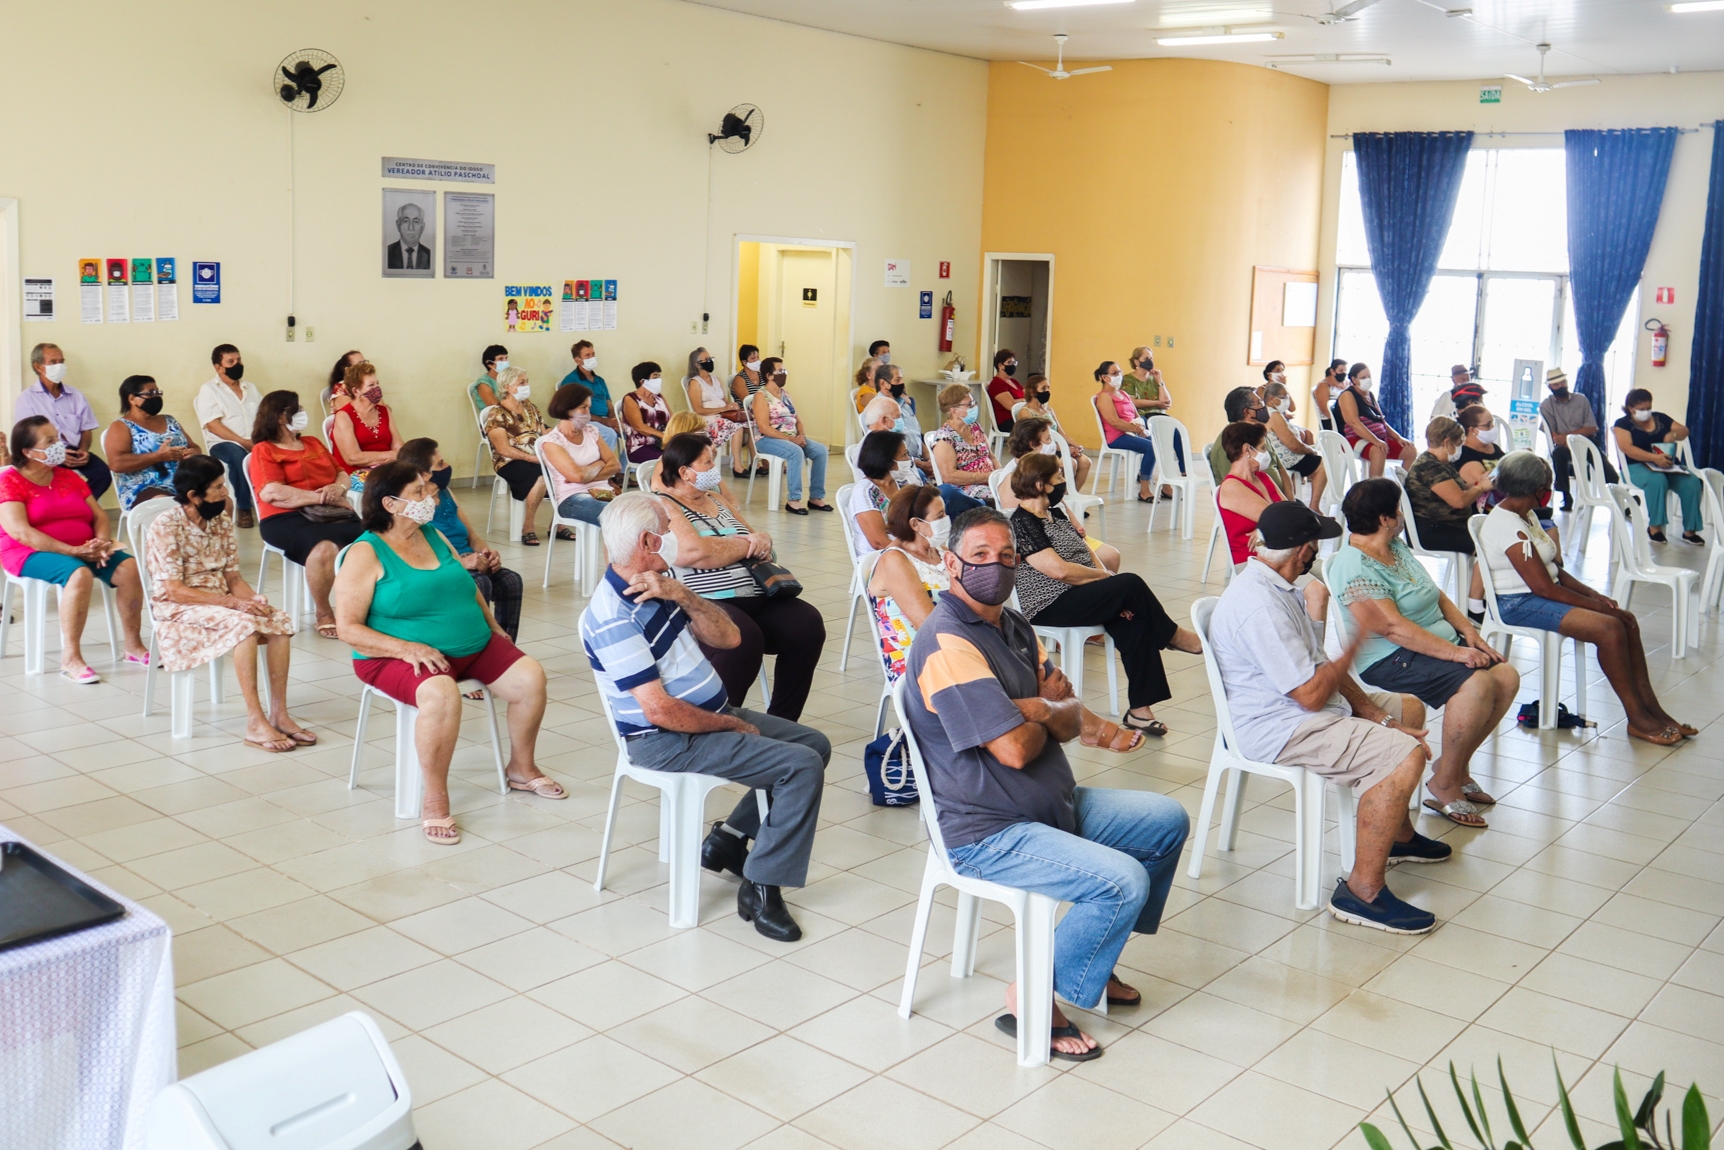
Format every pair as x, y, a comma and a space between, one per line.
1283, 317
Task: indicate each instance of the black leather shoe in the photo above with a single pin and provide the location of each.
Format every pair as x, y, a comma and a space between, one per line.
723, 851
764, 907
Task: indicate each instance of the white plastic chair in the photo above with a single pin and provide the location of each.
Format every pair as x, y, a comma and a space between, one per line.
851, 454
1460, 564
1077, 504
774, 466
295, 591
1712, 584
1589, 493
999, 478
996, 437
1071, 641
500, 486
1308, 789
1186, 484
34, 593
1120, 463
1549, 642
589, 541
681, 823
1634, 564
858, 592
1217, 537
1338, 467
180, 683
1033, 914
868, 566
336, 1086
483, 450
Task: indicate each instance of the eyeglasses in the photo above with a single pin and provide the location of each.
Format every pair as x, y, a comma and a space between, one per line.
148, 394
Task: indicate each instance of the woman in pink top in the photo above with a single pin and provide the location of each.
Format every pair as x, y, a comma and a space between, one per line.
580, 462
51, 529
1246, 489
1121, 426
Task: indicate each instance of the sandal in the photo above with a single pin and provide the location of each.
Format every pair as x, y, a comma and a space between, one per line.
443, 824
143, 661
327, 630
1668, 737
273, 746
1476, 795
544, 786
1136, 998
1007, 1024
1688, 732
302, 738
530, 539
1457, 812
85, 678
565, 534
1148, 726
1107, 735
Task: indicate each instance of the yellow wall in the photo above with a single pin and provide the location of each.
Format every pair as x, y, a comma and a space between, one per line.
748, 293
153, 130
1157, 187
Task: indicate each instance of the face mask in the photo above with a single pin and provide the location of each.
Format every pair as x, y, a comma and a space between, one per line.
373, 394
153, 405
1487, 435
752, 365
54, 455
903, 471
707, 480
1559, 392
1278, 377
656, 386
500, 366
1044, 395
885, 357
1305, 569
580, 420
1644, 415
1285, 407
524, 392
591, 363
973, 415
1048, 449
1364, 383
1056, 495
780, 378
939, 531
235, 372
1114, 380
1009, 369
897, 390
420, 511
706, 365
988, 583
54, 372
300, 421
441, 477
667, 549
1262, 458
210, 510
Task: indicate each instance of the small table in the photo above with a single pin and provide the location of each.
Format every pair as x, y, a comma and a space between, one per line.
86, 1031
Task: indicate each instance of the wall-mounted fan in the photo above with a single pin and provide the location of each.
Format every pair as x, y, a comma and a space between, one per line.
1539, 84
309, 80
1058, 71
741, 129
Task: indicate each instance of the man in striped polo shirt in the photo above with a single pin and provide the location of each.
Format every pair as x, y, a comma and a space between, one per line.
640, 631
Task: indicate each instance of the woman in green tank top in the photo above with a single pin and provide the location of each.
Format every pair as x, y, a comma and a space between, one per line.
418, 626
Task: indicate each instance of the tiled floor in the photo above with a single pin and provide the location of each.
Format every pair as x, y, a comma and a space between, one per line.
529, 1010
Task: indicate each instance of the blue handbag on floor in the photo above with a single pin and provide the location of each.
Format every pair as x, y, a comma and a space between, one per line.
887, 763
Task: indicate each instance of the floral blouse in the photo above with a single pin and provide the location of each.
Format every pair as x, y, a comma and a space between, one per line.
973, 455
522, 430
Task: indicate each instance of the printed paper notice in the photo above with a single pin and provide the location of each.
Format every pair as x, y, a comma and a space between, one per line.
206, 282
610, 305
167, 290
469, 236
566, 309
527, 307
119, 305
90, 290
897, 273
143, 290
38, 299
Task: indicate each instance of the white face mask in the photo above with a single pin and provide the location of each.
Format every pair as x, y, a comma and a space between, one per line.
300, 421
1363, 383
55, 372
1487, 435
1114, 380
903, 471
591, 363
707, 480
1285, 407
54, 455
1278, 377
667, 548
1262, 458
654, 385
420, 511
524, 392
1643, 415
500, 366
885, 357
1048, 449
753, 365
940, 530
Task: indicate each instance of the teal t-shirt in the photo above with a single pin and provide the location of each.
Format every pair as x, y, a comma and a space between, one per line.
1356, 577
438, 608
600, 389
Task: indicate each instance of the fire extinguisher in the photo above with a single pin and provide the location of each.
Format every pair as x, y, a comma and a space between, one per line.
948, 323
1660, 341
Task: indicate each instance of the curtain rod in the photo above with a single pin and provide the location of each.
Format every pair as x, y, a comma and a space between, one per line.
1558, 132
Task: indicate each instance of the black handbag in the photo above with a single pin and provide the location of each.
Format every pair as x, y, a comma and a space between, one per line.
329, 513
772, 577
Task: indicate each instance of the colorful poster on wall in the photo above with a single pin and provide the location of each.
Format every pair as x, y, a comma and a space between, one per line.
925, 306
119, 292
610, 305
167, 290
206, 282
583, 305
90, 290
897, 273
143, 290
527, 307
469, 235
38, 299
566, 310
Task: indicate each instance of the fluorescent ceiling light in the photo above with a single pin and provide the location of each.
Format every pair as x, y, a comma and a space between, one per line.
1225, 38
1032, 5
1699, 6
1214, 17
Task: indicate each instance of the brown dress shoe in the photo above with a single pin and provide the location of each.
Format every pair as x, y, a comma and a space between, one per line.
245, 519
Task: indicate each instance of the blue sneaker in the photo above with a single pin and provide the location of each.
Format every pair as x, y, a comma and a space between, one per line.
1385, 912
1420, 849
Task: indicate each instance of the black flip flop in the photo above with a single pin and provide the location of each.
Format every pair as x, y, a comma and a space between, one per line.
1148, 726
1007, 1024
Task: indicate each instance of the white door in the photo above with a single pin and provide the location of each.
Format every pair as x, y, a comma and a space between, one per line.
806, 333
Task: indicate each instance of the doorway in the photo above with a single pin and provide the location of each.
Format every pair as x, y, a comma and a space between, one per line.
1018, 311
793, 301
11, 311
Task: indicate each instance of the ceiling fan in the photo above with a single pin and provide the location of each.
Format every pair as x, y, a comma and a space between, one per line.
1539, 85
1058, 71
1341, 15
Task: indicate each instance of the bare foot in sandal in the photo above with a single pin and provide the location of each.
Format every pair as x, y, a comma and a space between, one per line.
284, 723
1069, 1042
264, 737
326, 626
1145, 722
1100, 732
437, 823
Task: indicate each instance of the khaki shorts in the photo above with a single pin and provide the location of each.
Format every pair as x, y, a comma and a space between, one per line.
1344, 749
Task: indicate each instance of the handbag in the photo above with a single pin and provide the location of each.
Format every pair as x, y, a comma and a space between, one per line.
886, 761
772, 577
329, 513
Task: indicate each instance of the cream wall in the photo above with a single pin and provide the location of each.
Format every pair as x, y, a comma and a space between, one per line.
1684, 101
152, 130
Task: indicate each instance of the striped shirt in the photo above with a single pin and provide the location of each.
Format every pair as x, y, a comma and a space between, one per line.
631, 642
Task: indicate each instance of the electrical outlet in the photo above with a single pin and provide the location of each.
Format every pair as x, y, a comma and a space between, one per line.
694, 327
1169, 338
289, 333
310, 335
1158, 341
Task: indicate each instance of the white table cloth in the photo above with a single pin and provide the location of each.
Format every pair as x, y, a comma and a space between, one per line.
86, 1031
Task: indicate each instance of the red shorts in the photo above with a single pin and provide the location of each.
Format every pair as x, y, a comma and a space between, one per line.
1381, 430
397, 678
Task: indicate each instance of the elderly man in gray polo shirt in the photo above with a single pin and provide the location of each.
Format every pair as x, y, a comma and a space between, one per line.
1291, 706
1564, 414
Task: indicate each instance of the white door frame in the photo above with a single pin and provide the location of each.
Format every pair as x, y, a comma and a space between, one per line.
11, 311
840, 339
989, 328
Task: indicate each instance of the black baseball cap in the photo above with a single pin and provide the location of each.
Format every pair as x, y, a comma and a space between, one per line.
1290, 524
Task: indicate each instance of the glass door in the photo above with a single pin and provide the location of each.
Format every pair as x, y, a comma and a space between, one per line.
1518, 318
1442, 336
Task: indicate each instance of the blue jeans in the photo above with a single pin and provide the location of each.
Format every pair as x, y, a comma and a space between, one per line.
793, 456
956, 501
1658, 485
581, 506
1116, 872
233, 456
1143, 446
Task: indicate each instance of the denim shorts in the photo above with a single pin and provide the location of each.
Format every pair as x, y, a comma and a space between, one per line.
1431, 680
1532, 611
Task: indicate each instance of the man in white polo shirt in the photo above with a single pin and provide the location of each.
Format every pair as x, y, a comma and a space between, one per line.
226, 407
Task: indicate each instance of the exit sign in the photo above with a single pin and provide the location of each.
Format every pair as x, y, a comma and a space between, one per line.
1491, 95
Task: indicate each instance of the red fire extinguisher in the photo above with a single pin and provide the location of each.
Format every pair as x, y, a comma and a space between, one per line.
1660, 341
948, 323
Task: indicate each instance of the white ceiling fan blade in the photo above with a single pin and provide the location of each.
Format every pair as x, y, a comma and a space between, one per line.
1109, 68
1346, 11
1037, 67
1577, 83
1522, 79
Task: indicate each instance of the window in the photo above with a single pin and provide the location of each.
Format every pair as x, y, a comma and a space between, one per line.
1501, 288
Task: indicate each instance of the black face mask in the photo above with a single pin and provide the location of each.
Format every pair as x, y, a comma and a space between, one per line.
897, 390
705, 365
235, 372
1056, 495
1044, 395
210, 510
1309, 563
1010, 369
152, 405
441, 477
1559, 392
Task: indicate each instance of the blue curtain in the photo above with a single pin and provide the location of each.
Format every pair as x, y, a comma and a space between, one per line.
1408, 184
1615, 187
1706, 367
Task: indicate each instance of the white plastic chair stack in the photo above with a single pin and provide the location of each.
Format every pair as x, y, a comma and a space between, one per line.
1186, 483
1550, 642
1460, 564
858, 582
1120, 463
681, 823
1589, 493
1712, 585
1634, 564
295, 592
1033, 914
589, 540
1308, 789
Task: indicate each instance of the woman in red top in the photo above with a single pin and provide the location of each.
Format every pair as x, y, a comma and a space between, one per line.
1246, 489
290, 471
52, 530
362, 434
1003, 390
